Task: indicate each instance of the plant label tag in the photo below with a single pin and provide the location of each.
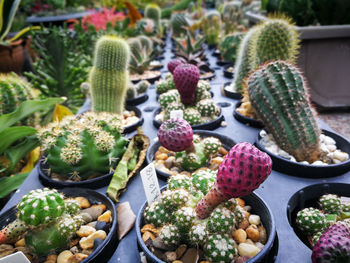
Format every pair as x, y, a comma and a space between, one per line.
344, 199
150, 183
17, 257
177, 114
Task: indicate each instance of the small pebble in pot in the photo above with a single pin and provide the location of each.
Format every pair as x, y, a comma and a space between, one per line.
64, 256
85, 231
101, 225
77, 258
97, 242
254, 219
245, 249
88, 242
253, 233
106, 217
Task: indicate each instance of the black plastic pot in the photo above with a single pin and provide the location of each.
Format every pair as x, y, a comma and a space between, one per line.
138, 113
228, 74
246, 120
137, 100
259, 207
222, 63
150, 80
212, 125
105, 250
306, 170
230, 94
216, 53
227, 143
209, 77
308, 197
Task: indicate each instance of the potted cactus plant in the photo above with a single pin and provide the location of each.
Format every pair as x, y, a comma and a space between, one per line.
324, 28
203, 214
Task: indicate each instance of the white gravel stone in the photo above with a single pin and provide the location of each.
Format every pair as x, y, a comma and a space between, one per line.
254, 219
249, 250
329, 141
341, 156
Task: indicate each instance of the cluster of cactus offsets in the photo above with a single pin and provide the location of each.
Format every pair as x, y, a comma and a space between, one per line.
158, 214
109, 76
221, 220
232, 15
165, 85
275, 40
311, 220
211, 24
278, 93
135, 90
170, 235
83, 148
330, 204
229, 45
180, 181
333, 245
242, 171
178, 24
47, 219
220, 248
175, 198
203, 179
13, 91
186, 78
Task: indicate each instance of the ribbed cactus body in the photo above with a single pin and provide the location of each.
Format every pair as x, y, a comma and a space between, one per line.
229, 46
13, 91
177, 22
153, 12
109, 76
88, 147
277, 92
276, 40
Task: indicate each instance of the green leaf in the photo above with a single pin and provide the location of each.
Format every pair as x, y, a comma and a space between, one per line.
8, 9
13, 134
9, 184
25, 109
18, 152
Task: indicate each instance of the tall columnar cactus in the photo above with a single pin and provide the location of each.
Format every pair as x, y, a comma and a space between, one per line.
277, 92
109, 76
211, 24
153, 12
276, 40
229, 46
232, 14
178, 22
86, 147
13, 91
244, 60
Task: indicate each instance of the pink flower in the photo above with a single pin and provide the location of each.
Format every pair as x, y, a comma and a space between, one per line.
100, 19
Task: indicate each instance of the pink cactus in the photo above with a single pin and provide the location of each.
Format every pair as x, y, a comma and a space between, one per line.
244, 168
186, 78
173, 64
99, 20
176, 135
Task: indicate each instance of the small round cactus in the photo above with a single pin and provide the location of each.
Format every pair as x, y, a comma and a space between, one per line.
220, 248
203, 179
166, 98
180, 181
184, 218
330, 203
192, 115
174, 198
175, 105
198, 234
41, 206
221, 220
239, 214
67, 226
211, 145
311, 220
157, 214
72, 206
206, 107
345, 206
170, 235
315, 238
165, 85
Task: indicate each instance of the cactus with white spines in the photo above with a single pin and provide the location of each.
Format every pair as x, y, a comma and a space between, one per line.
311, 220
220, 248
221, 220
330, 203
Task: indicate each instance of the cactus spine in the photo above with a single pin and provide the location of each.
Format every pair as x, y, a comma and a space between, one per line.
229, 46
277, 92
109, 76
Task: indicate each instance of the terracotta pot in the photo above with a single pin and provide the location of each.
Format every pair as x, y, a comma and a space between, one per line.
12, 57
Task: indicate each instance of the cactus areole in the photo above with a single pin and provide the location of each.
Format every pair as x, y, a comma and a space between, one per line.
244, 168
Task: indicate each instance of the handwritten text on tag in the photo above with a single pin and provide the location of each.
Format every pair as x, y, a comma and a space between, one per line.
150, 183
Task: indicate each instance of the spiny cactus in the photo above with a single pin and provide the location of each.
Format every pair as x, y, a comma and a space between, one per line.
229, 45
178, 23
211, 24
13, 231
168, 97
198, 233
173, 64
221, 220
78, 149
146, 43
13, 91
109, 75
153, 12
330, 203
276, 40
170, 235
278, 93
180, 181
186, 78
165, 85
192, 115
311, 220
184, 218
220, 248
157, 214
232, 14
174, 198
203, 179
206, 107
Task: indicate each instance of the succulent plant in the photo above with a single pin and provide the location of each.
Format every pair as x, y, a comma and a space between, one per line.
174, 198
333, 245
165, 85
13, 91
178, 23
198, 233
220, 248
157, 214
206, 107
291, 120
232, 14
170, 235
184, 218
211, 25
176, 135
192, 115
186, 78
152, 11
315, 237
311, 220
86, 147
229, 45
175, 105
330, 204
146, 43
173, 64
243, 169
345, 207
221, 220
13, 231
180, 181
168, 97
203, 179
109, 75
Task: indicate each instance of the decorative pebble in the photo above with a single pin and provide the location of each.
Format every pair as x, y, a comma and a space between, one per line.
169, 162
191, 256
249, 250
64, 256
74, 250
240, 236
244, 224
223, 124
263, 236
101, 225
170, 256
20, 243
158, 243
148, 235
254, 219
51, 259
83, 202
259, 245
88, 242
341, 156
77, 258
93, 224
86, 217
97, 242
106, 217
85, 231
180, 251
94, 211
6, 250
253, 233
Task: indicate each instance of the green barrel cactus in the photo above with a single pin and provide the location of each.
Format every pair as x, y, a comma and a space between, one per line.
198, 234
178, 23
278, 94
170, 235
206, 107
192, 115
276, 40
229, 45
13, 91
157, 214
221, 220
211, 145
211, 25
72, 206
165, 85
41, 206
153, 12
203, 180
330, 204
220, 248
78, 149
184, 218
311, 220
109, 75
166, 98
